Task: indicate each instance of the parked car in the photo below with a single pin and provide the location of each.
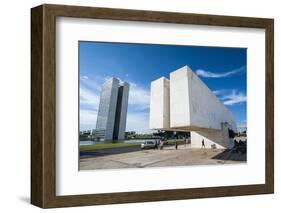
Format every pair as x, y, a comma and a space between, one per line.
165, 143
148, 145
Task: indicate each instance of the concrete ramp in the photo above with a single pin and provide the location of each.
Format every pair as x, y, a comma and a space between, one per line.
185, 103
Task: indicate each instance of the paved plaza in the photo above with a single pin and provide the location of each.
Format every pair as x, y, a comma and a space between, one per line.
169, 156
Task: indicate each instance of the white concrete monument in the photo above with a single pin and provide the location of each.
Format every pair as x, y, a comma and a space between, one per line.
185, 103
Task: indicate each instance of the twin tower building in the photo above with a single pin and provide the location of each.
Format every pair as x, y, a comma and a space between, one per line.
112, 113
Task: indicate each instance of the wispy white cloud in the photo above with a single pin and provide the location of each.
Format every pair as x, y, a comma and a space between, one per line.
139, 97
241, 125
88, 119
235, 98
93, 85
88, 97
221, 92
139, 100
208, 74
138, 122
231, 97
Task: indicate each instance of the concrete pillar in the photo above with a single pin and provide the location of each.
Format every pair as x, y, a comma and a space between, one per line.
179, 98
160, 104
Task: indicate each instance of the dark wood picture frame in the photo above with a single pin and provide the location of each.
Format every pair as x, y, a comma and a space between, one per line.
43, 105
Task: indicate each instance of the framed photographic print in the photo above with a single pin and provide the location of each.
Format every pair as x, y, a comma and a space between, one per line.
136, 106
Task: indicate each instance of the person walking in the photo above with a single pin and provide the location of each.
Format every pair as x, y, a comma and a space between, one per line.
156, 144
161, 144
186, 142
176, 145
203, 144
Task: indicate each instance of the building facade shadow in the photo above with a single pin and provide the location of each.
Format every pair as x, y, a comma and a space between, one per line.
232, 155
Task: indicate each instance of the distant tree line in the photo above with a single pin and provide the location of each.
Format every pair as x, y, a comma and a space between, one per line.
171, 134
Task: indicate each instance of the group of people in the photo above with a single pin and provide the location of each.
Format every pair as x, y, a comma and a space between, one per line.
159, 144
239, 146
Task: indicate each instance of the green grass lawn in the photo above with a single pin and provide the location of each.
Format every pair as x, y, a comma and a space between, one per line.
108, 146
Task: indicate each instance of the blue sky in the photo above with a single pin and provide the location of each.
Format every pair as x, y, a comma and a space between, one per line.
223, 70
